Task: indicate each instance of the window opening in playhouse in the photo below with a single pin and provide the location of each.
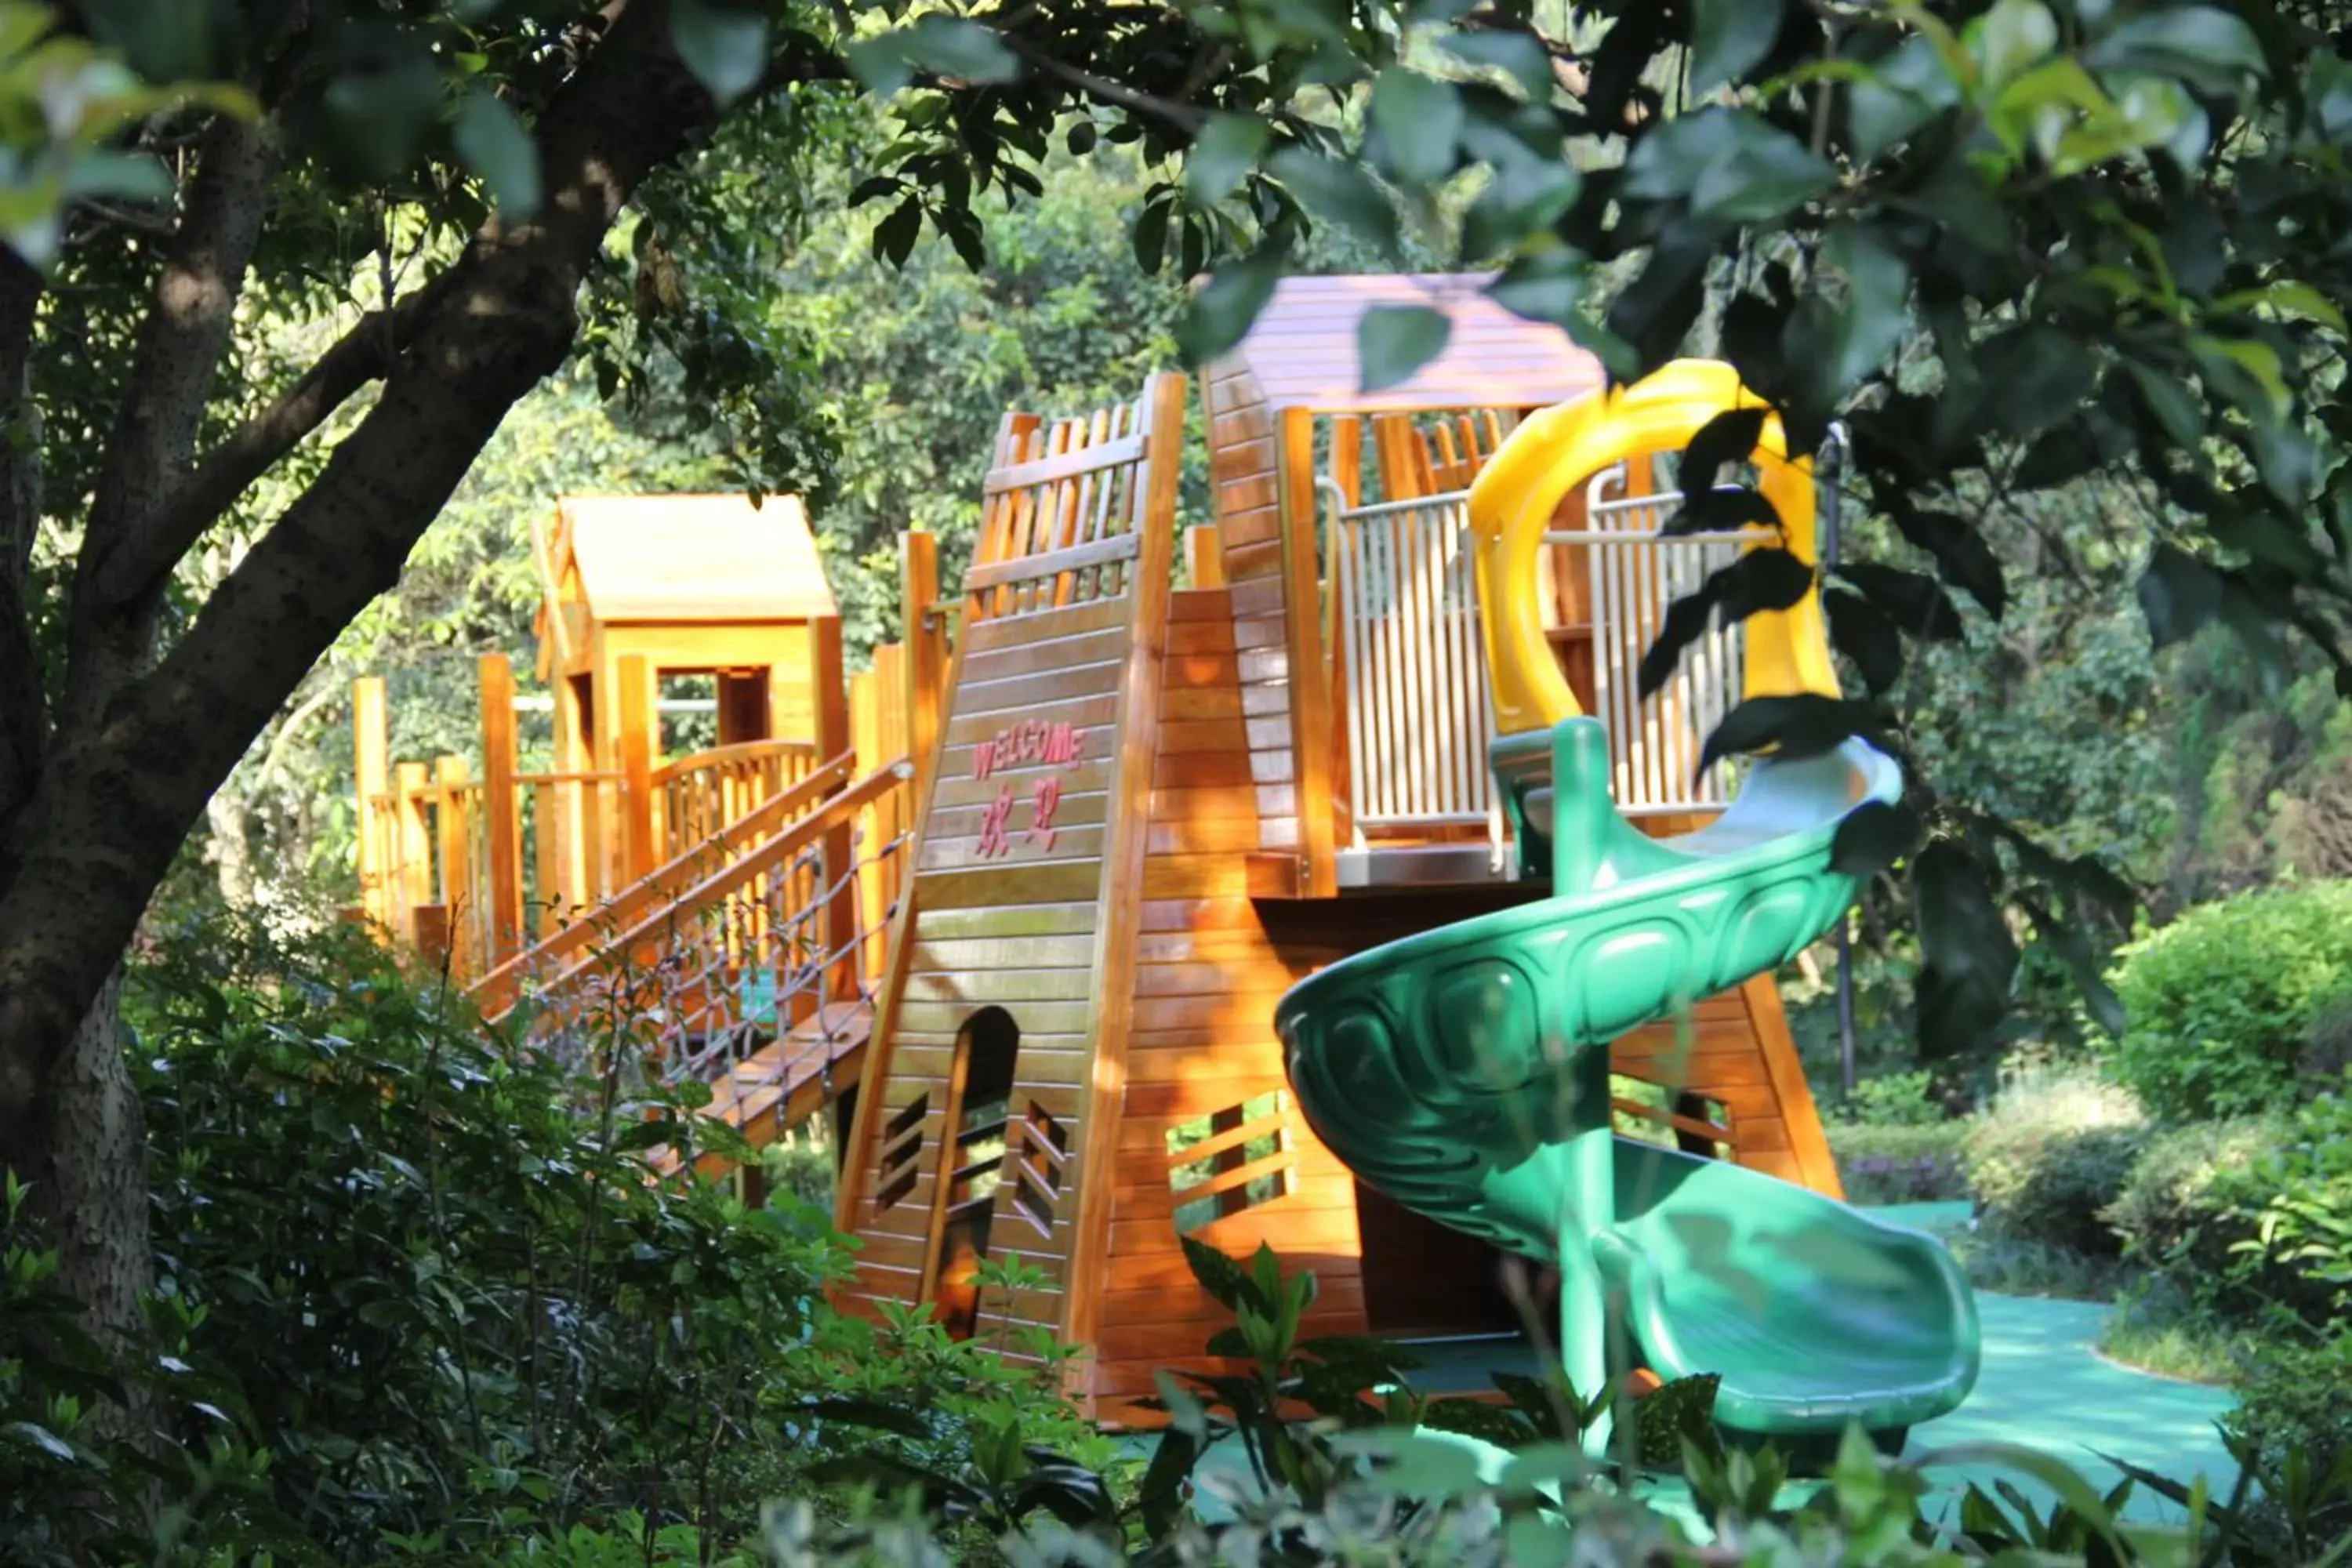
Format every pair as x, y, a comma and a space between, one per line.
1231, 1160
988, 1048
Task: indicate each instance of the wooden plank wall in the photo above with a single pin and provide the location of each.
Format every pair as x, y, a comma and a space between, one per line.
1246, 491
1005, 913
1207, 977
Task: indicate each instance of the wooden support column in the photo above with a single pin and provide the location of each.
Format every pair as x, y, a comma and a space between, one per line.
839, 924
635, 738
371, 766
412, 868
1204, 556
1311, 705
460, 889
925, 639
501, 814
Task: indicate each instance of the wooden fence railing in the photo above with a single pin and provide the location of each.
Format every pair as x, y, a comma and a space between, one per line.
478, 870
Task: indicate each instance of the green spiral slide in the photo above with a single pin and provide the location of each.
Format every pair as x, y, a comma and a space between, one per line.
1465, 1072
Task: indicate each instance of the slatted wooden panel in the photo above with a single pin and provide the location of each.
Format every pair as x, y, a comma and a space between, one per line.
1020, 848
1208, 975
1246, 493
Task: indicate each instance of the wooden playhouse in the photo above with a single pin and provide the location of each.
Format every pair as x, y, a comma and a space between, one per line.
1150, 810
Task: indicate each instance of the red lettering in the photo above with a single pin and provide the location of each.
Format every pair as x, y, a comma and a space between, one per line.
1048, 799
992, 841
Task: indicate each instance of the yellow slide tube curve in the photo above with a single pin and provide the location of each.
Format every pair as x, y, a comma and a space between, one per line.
1518, 494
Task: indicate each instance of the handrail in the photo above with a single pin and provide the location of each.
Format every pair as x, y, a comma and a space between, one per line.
495, 988
722, 756
717, 886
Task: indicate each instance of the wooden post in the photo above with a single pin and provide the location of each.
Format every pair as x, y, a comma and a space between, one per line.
412, 870
460, 892
371, 756
1310, 703
501, 813
925, 640
839, 924
635, 735
1204, 556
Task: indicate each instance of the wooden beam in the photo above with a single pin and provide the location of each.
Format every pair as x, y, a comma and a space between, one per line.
635, 734
1121, 907
501, 812
925, 639
1204, 556
412, 870
458, 894
830, 692
1310, 706
371, 766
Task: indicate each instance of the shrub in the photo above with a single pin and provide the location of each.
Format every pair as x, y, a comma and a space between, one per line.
1894, 1099
419, 1298
2054, 1149
2178, 1212
1900, 1165
2294, 1419
2220, 1005
2299, 1194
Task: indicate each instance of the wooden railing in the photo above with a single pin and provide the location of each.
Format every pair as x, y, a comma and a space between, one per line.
695, 796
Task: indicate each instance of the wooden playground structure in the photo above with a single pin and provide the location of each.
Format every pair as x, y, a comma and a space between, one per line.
1017, 903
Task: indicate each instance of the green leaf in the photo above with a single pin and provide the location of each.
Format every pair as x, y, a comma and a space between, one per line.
1728, 38
495, 146
1877, 315
2212, 51
954, 47
2012, 36
1226, 1280
726, 48
1970, 958
2036, 375
1338, 192
1872, 837
119, 176
1517, 55
1418, 120
1859, 631
1223, 308
2074, 949
894, 236
1917, 606
1963, 556
1393, 341
2178, 593
1151, 235
2173, 403
1227, 148
1801, 726
1727, 164
1726, 439
1905, 90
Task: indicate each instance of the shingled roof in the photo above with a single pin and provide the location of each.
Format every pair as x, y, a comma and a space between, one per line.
1302, 348
713, 558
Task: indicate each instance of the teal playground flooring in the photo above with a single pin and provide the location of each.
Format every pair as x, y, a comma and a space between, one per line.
2044, 1387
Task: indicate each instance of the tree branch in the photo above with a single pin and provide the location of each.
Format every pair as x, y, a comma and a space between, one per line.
172, 375
122, 785
229, 470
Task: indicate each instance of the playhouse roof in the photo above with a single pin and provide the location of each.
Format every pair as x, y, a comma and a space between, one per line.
690, 558
1302, 348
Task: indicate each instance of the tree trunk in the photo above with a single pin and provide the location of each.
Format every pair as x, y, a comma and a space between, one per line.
88, 1170
228, 844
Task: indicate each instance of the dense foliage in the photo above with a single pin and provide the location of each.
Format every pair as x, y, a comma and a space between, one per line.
2222, 1003
417, 1295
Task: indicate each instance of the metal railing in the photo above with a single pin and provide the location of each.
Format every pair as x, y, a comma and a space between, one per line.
1411, 665
1637, 572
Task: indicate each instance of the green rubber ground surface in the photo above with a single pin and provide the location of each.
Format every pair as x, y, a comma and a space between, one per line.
2043, 1387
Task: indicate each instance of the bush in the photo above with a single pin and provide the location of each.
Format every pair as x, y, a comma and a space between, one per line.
2295, 1418
2178, 1213
419, 1298
1894, 1099
2221, 1005
2299, 1196
1901, 1165
2054, 1149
